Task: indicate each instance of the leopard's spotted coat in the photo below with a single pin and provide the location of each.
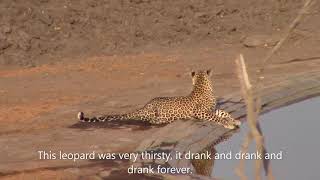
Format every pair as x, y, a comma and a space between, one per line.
199, 104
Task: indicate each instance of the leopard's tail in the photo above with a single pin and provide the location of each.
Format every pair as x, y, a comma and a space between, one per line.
134, 115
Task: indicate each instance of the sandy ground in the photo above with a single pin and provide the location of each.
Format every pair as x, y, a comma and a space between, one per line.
125, 82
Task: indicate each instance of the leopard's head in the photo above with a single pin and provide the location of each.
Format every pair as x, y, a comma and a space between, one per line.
201, 79
226, 120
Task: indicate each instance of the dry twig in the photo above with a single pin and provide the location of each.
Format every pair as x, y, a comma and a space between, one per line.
252, 116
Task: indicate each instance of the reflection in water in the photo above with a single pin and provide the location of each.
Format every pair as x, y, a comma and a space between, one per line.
292, 130
204, 166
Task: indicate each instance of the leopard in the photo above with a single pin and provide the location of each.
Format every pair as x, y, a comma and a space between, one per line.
199, 104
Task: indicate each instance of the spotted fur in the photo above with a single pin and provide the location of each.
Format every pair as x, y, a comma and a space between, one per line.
199, 104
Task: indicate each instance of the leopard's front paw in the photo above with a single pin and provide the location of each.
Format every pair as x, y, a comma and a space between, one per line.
229, 126
237, 122
232, 124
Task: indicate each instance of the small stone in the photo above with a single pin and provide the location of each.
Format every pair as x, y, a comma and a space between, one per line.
260, 40
104, 174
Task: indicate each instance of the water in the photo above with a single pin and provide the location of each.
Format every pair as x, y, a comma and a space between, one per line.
294, 130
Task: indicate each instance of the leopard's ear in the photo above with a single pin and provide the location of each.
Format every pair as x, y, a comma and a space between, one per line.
193, 73
209, 72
